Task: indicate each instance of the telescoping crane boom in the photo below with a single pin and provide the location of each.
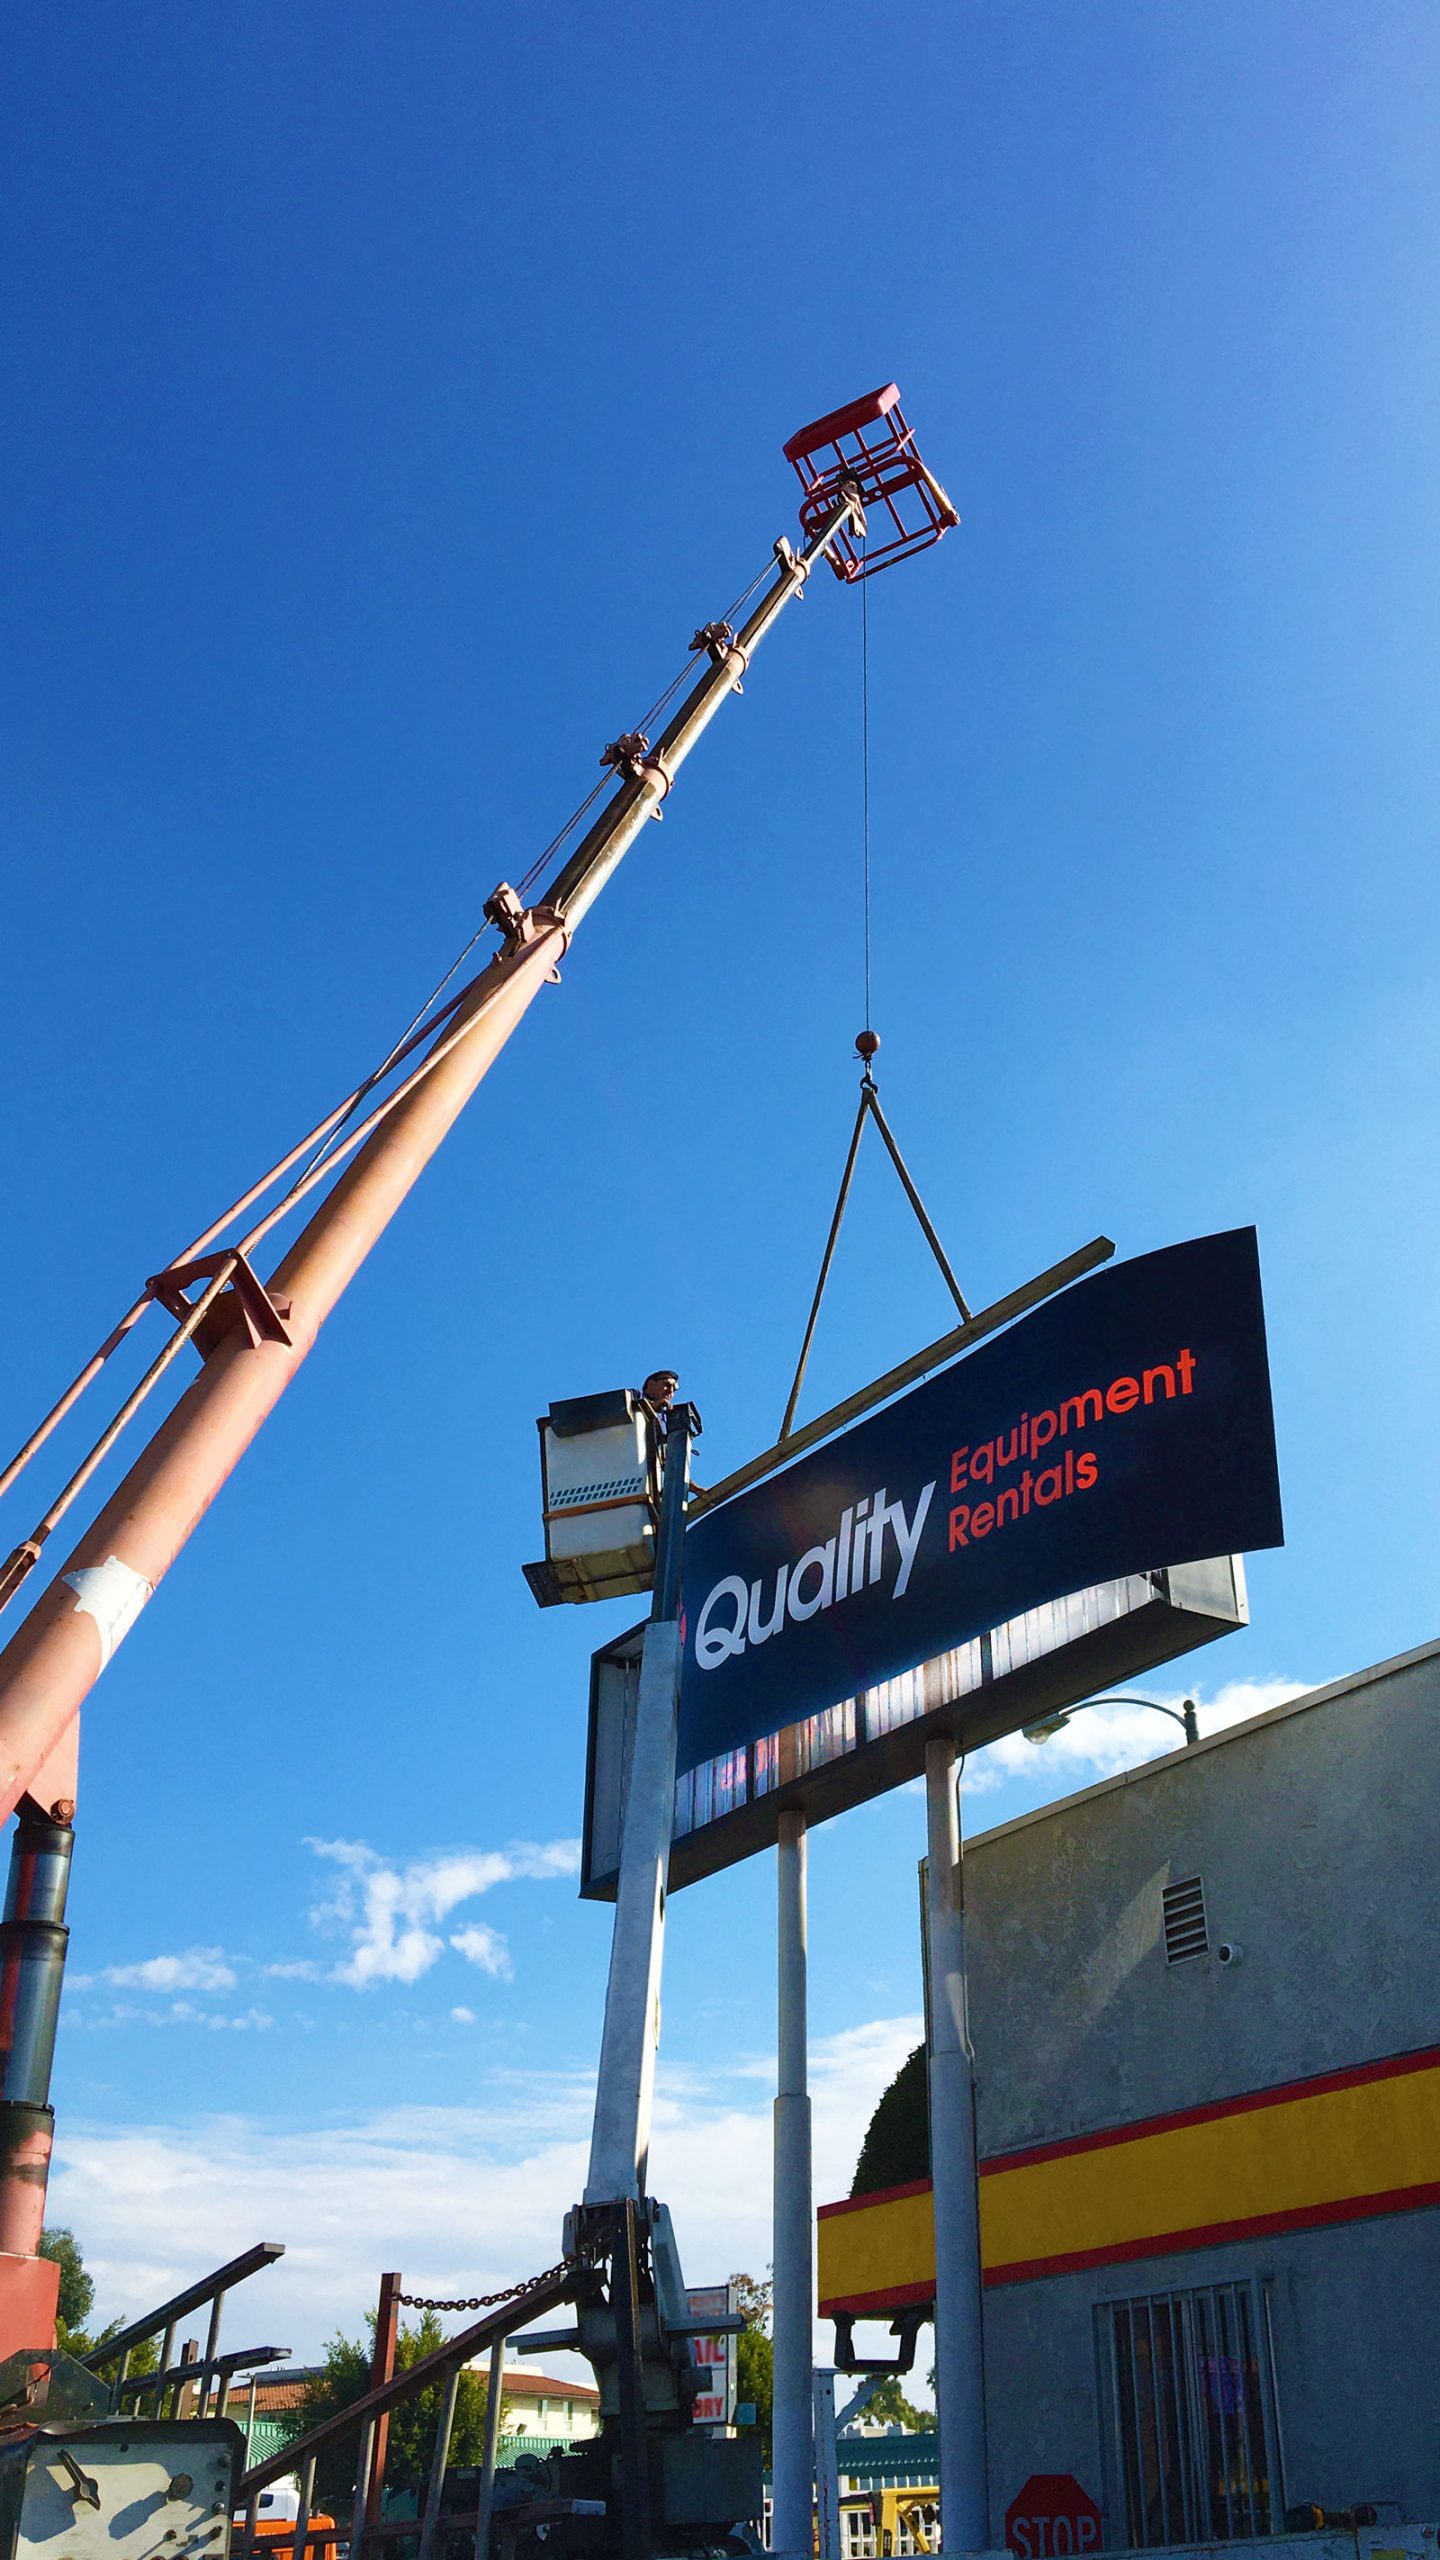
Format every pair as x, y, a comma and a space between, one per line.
251, 1335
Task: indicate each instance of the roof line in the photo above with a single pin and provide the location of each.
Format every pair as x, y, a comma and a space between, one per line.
1186, 1752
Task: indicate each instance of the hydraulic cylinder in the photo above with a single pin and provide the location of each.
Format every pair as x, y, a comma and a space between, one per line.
33, 1940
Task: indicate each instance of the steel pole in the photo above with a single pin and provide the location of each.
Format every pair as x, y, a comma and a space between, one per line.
485, 2503
301, 2544
826, 2539
959, 2345
625, 2084
439, 2463
627, 2312
358, 2510
58, 1653
793, 2470
382, 2367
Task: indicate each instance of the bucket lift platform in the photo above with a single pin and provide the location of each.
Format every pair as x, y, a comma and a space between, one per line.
868, 448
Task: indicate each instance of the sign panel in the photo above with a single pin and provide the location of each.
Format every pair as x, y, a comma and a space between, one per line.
715, 2355
1068, 1649
1052, 2515
1125, 1422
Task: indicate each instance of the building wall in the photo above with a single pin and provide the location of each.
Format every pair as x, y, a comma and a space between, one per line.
558, 2410
1357, 2365
1313, 1830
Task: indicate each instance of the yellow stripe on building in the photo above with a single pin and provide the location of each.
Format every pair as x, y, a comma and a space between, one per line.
1312, 2155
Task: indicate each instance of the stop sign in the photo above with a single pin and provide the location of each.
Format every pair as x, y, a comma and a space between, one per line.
1052, 2514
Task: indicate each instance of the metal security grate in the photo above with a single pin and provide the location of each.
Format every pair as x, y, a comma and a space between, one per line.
1189, 2382
1186, 1933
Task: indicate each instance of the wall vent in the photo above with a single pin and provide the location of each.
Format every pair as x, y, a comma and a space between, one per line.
1185, 1930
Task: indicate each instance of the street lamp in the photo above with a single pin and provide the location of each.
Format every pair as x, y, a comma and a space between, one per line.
1046, 1726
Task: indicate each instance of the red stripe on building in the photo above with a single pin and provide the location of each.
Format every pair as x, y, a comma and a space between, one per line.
877, 2195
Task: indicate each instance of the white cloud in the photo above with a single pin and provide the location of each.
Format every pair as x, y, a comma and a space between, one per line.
181, 2013
198, 1969
1108, 1738
152, 2205
486, 1948
389, 1911
463, 2017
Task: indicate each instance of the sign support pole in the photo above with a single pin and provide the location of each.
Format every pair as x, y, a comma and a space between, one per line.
620, 2137
959, 2346
827, 2541
794, 2295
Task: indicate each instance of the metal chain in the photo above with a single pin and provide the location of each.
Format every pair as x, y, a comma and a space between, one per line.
571, 2264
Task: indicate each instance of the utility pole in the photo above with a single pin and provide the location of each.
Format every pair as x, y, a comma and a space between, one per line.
959, 2338
794, 2283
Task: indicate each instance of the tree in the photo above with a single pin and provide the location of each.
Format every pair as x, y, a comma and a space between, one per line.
754, 2300
890, 2406
77, 2288
77, 2300
754, 2353
345, 2376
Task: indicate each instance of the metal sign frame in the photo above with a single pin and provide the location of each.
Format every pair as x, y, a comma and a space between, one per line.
1053, 1657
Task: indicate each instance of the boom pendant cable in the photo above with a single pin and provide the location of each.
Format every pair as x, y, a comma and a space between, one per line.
866, 1046
865, 763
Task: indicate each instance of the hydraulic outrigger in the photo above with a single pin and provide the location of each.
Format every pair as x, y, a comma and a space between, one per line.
868, 501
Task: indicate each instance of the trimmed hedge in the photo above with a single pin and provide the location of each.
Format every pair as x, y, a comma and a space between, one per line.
896, 2149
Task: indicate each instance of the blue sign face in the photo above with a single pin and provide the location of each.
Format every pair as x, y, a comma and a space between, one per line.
1122, 1426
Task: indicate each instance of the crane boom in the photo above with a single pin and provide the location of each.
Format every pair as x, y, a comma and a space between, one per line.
252, 1339
61, 1648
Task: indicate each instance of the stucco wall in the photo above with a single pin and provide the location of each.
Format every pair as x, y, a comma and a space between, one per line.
1357, 2361
1314, 1831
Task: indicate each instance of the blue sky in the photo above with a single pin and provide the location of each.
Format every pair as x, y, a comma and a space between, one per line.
390, 395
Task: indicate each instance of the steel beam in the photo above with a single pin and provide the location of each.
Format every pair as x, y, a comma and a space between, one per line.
987, 1320
959, 2340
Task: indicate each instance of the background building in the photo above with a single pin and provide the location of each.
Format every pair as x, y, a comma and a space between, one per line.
543, 2411
1205, 2005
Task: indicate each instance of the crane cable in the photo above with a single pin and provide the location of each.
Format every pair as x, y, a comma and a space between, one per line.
865, 760
865, 1049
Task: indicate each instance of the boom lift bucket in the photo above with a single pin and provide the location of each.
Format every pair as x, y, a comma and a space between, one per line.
868, 443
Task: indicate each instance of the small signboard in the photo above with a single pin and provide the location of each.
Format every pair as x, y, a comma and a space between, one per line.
715, 2354
1124, 1424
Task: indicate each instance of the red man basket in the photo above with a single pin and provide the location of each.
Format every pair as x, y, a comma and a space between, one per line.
868, 442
